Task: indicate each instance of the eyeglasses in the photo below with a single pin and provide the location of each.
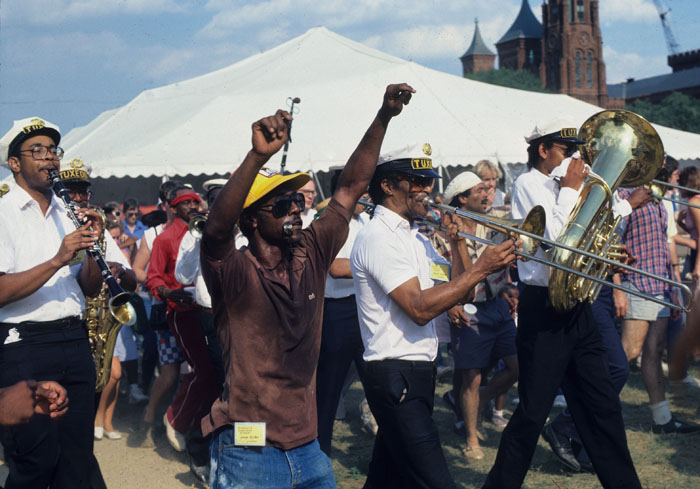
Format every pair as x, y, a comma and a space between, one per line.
308, 192
39, 152
132, 214
282, 204
73, 193
418, 181
568, 150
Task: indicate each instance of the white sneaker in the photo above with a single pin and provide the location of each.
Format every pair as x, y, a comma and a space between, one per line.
136, 395
176, 439
99, 432
691, 381
113, 435
560, 401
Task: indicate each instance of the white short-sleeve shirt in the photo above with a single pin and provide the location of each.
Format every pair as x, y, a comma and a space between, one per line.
338, 288
386, 254
27, 239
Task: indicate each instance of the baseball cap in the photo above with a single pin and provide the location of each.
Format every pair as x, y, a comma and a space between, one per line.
267, 181
412, 159
21, 131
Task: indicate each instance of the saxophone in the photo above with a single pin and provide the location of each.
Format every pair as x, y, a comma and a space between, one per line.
103, 328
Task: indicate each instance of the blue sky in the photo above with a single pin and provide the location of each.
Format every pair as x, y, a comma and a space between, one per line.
69, 60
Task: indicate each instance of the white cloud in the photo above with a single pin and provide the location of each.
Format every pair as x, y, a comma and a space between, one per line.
229, 15
38, 13
633, 11
623, 65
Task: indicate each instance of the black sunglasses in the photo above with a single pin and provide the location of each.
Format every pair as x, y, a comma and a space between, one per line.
282, 204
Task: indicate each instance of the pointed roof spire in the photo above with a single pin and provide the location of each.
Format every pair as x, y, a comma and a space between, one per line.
478, 45
526, 25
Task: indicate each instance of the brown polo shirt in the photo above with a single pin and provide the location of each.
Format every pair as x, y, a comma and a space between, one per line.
270, 333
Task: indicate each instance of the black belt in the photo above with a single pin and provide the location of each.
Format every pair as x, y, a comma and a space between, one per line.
394, 362
350, 298
55, 325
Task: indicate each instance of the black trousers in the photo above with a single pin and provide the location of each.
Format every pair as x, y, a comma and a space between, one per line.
407, 452
563, 349
44, 452
341, 344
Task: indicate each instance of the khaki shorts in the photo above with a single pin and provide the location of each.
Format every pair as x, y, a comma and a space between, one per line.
644, 310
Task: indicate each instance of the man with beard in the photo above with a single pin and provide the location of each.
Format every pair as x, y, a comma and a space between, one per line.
268, 304
199, 388
489, 334
402, 284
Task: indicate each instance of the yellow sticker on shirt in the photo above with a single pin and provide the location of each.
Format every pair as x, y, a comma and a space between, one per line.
249, 434
439, 271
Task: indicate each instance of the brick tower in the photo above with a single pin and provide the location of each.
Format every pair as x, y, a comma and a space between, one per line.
520, 48
478, 57
572, 50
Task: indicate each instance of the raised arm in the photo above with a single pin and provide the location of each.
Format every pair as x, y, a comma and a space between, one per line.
269, 135
360, 167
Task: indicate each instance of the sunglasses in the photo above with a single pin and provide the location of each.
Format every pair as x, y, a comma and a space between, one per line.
568, 150
282, 204
418, 181
132, 214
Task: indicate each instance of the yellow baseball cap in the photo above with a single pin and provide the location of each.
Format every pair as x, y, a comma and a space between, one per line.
266, 181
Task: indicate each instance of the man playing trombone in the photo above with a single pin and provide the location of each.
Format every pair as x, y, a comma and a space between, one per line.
558, 349
402, 284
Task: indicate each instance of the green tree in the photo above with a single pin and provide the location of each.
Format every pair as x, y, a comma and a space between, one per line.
677, 110
523, 80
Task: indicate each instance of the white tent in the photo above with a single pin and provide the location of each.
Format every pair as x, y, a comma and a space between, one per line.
202, 125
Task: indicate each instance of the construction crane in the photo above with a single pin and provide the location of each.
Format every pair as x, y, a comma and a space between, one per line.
671, 44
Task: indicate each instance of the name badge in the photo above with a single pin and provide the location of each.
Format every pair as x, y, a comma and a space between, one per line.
249, 434
439, 271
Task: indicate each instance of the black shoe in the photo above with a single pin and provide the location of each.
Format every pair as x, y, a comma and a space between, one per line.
200, 472
561, 446
676, 426
586, 466
449, 399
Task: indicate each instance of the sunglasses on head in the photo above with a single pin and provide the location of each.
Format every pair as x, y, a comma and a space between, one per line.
282, 204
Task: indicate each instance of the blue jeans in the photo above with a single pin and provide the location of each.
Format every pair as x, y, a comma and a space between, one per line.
267, 467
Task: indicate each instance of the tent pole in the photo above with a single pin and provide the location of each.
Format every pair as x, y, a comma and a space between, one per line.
319, 189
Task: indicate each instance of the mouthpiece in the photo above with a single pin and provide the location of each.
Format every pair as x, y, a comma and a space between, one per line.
288, 228
427, 202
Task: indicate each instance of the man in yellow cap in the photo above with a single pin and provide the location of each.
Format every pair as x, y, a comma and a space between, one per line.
268, 301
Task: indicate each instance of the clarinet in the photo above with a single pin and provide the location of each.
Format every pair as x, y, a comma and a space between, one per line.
119, 299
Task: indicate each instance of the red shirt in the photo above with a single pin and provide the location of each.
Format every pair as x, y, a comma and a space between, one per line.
270, 333
161, 267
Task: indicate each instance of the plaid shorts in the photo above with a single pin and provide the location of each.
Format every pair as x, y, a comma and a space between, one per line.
168, 349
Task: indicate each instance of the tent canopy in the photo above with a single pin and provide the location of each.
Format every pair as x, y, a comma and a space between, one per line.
202, 125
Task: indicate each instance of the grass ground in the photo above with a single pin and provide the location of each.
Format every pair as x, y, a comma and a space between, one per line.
662, 461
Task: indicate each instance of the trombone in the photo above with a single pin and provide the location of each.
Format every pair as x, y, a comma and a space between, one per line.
514, 231
658, 192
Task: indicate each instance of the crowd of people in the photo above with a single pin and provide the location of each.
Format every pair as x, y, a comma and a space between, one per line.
252, 309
